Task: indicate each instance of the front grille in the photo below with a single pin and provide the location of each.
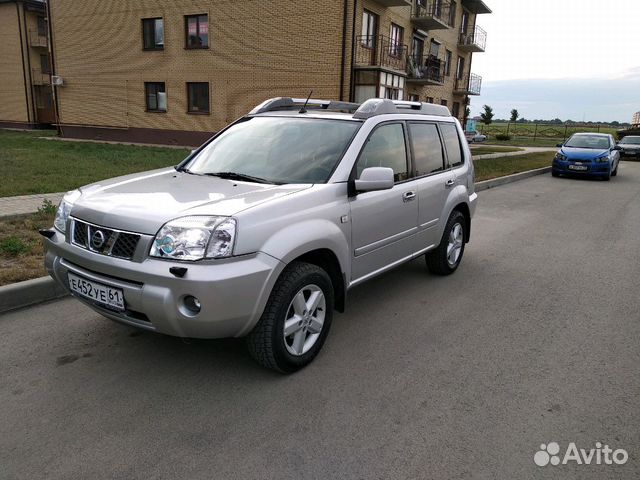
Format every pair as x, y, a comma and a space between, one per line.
104, 241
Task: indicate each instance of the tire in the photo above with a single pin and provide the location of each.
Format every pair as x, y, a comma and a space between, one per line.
438, 261
615, 172
554, 173
267, 343
607, 177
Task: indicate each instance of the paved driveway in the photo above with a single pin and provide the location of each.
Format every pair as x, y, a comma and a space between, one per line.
535, 339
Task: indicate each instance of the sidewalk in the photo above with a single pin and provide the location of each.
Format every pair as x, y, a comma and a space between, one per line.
26, 203
524, 151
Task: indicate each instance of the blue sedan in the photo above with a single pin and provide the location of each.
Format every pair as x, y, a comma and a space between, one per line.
591, 154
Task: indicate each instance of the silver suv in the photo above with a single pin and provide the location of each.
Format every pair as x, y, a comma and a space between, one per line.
261, 231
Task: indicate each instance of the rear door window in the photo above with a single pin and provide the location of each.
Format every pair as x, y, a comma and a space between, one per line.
452, 144
427, 148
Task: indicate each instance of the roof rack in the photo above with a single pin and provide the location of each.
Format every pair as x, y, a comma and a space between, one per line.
368, 109
383, 106
288, 103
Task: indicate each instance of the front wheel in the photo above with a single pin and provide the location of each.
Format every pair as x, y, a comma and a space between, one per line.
615, 172
296, 320
446, 257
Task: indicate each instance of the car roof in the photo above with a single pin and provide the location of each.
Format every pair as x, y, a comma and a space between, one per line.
592, 134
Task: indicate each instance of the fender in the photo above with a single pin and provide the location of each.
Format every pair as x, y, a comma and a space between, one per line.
457, 196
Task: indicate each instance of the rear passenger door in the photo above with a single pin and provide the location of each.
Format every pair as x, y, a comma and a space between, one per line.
383, 223
433, 180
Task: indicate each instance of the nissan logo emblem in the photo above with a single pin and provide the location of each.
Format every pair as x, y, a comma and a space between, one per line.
97, 240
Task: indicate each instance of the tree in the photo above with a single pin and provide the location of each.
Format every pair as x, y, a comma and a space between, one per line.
487, 115
467, 112
514, 115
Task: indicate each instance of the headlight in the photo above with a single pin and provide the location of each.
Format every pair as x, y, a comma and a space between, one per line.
195, 238
64, 209
603, 158
560, 157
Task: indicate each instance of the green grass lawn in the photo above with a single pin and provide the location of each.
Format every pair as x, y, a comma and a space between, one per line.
525, 142
499, 167
484, 150
32, 165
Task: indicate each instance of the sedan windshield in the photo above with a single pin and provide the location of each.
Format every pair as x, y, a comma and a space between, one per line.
588, 141
276, 150
631, 140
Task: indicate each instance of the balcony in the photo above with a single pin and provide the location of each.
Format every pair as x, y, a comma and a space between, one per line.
476, 6
38, 77
468, 85
473, 42
37, 40
428, 70
431, 14
380, 52
394, 3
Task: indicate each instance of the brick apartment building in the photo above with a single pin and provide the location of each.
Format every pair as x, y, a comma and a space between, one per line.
174, 71
25, 90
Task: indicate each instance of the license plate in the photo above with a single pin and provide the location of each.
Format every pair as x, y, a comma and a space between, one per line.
112, 297
577, 167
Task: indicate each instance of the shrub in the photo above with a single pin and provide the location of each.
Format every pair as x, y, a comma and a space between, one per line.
13, 246
503, 137
47, 207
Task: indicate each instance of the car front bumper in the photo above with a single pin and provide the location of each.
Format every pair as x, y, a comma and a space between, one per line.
232, 292
592, 168
630, 152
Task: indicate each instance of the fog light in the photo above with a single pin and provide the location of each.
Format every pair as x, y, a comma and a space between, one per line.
192, 304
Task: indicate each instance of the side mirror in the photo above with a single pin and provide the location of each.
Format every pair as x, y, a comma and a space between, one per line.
375, 178
617, 147
559, 145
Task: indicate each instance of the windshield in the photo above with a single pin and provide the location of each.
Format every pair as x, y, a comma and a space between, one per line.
588, 141
277, 149
631, 140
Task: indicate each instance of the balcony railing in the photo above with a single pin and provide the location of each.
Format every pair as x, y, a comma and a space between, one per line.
432, 14
427, 70
38, 77
37, 40
468, 85
380, 51
475, 41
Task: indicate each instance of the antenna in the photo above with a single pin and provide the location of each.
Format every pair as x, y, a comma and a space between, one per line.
304, 107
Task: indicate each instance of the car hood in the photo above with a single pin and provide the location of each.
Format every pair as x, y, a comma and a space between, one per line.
583, 153
144, 202
630, 146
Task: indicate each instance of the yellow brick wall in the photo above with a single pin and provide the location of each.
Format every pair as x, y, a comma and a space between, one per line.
257, 50
13, 105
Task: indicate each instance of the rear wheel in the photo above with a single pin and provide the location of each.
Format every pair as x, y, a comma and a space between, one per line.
296, 320
446, 257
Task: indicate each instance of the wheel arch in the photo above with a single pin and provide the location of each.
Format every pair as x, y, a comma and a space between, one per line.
463, 208
328, 261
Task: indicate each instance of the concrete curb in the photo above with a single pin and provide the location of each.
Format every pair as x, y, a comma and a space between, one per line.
495, 182
43, 289
29, 292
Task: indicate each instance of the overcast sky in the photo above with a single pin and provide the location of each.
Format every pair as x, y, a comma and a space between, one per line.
592, 45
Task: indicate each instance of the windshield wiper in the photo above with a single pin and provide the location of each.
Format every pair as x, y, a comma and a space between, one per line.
239, 176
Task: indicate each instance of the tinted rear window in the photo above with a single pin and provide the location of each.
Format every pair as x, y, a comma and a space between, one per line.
427, 149
452, 142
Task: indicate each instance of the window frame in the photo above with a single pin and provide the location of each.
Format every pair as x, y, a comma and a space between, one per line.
445, 162
448, 59
186, 31
42, 26
198, 112
396, 39
407, 154
156, 46
146, 97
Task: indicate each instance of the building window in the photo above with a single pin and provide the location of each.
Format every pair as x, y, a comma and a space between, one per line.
429, 99
391, 86
444, 103
369, 29
447, 63
414, 97
417, 49
44, 63
460, 68
452, 15
434, 49
456, 109
42, 27
153, 33
197, 31
395, 45
198, 97
156, 96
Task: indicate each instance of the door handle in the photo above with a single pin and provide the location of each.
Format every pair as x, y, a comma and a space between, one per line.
408, 196
450, 183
